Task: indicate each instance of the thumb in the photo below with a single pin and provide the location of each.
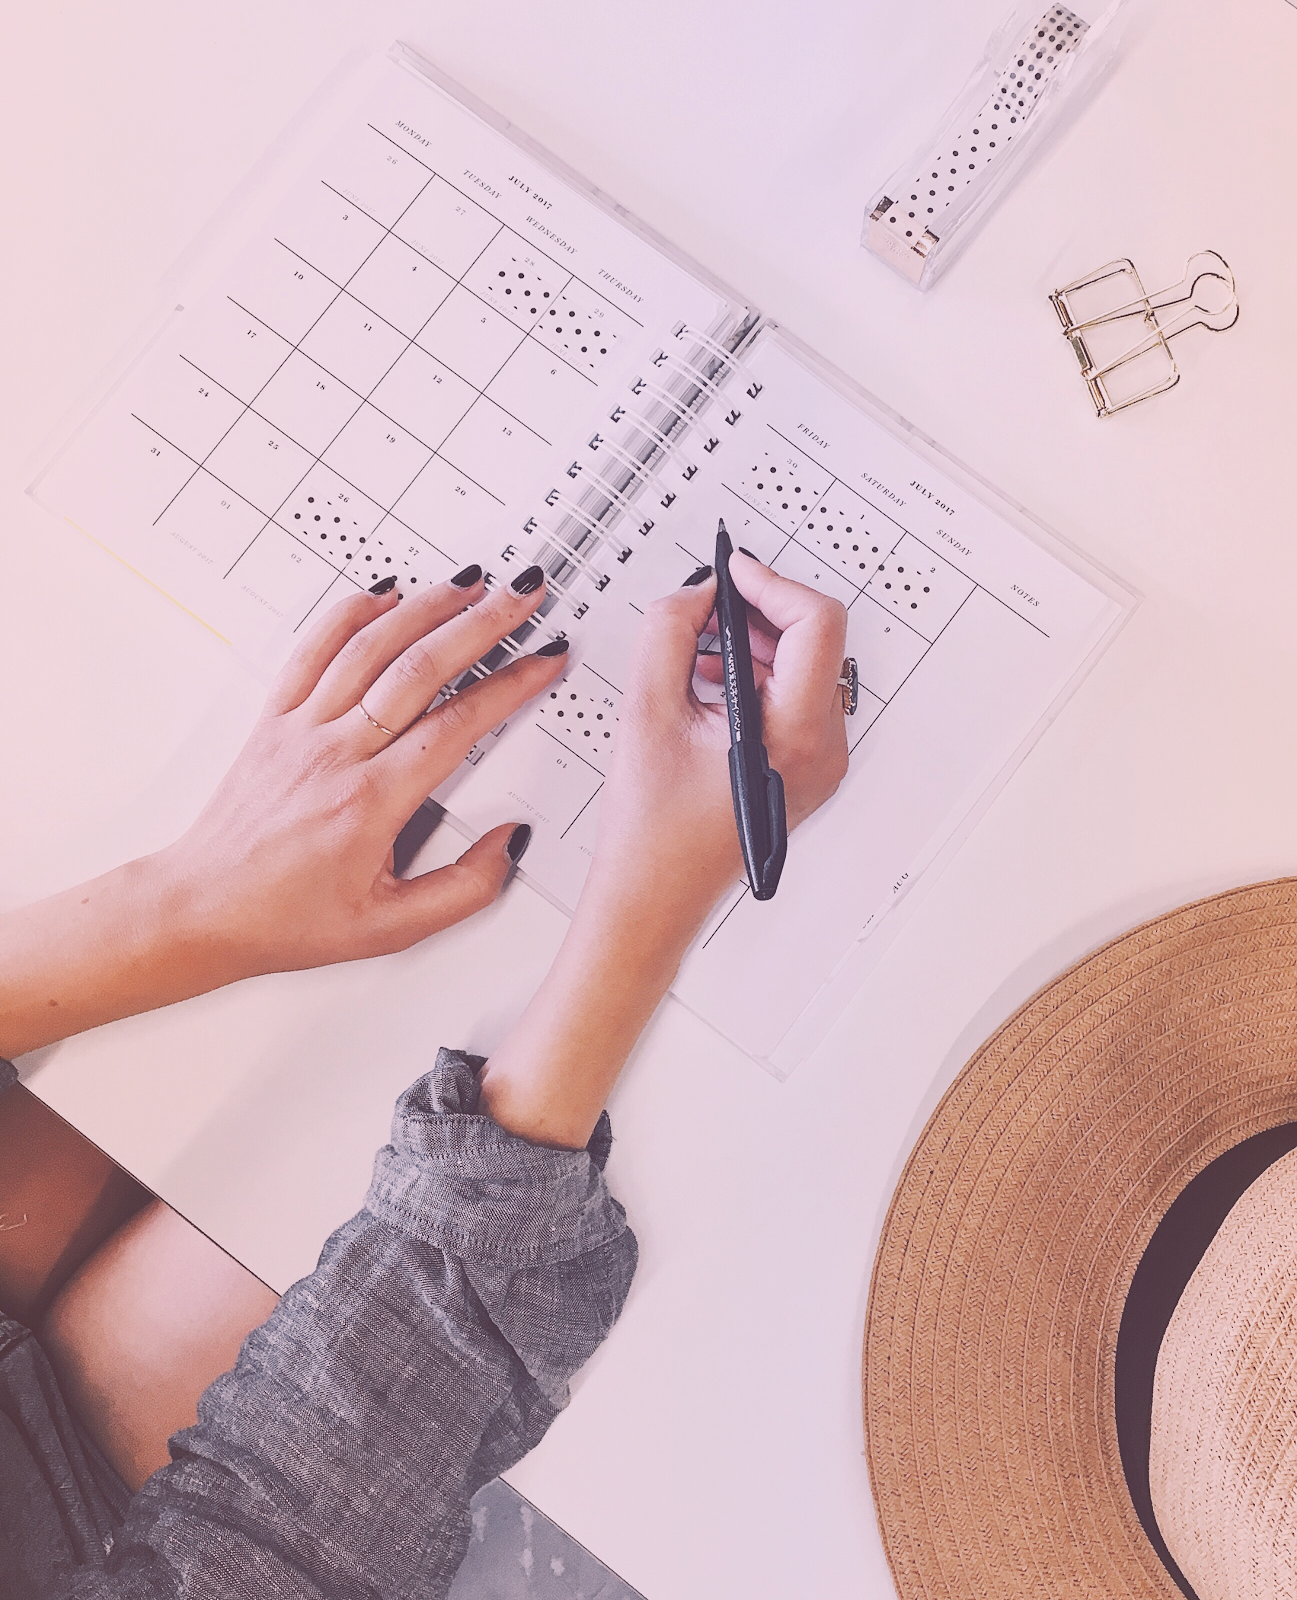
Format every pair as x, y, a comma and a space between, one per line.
425, 905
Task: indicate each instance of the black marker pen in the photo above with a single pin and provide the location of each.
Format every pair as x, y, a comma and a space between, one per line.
758, 790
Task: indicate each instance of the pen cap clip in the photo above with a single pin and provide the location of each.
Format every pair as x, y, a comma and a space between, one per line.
772, 867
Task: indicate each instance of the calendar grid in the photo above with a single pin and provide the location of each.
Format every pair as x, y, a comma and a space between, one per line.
434, 452
296, 345
474, 202
317, 458
940, 554
343, 293
503, 228
387, 323
270, 516
862, 591
367, 399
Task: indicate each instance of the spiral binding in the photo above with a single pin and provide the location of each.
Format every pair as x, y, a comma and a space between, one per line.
694, 374
577, 560
663, 397
641, 471
718, 350
595, 529
668, 446
609, 497
605, 498
556, 498
616, 498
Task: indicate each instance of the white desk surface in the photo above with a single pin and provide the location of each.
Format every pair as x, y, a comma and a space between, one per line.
714, 1445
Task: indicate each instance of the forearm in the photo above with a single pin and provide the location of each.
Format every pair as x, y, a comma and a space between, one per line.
123, 943
430, 1349
550, 1078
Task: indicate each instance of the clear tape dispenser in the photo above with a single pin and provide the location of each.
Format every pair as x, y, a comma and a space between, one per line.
1036, 67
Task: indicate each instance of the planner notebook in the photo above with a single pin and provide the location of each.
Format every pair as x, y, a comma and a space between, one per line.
426, 343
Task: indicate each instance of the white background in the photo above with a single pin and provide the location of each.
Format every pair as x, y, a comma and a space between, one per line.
714, 1446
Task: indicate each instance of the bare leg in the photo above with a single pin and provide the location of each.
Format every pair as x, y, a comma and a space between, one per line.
139, 1332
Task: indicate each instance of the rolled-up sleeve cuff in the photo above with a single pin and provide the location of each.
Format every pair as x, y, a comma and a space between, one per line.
454, 1178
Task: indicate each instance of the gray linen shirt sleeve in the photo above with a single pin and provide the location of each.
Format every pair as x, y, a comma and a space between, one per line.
429, 1350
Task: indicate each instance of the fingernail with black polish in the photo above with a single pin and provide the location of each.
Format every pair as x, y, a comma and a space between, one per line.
383, 586
529, 581
748, 554
519, 839
695, 578
555, 647
467, 578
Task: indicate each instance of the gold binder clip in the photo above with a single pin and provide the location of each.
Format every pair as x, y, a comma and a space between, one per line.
1122, 335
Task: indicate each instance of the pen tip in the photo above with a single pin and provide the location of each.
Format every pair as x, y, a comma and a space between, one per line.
720, 525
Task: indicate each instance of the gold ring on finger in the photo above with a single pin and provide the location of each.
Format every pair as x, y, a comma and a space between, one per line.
374, 722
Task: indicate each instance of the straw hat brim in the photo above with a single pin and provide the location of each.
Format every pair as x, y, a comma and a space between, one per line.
1015, 1231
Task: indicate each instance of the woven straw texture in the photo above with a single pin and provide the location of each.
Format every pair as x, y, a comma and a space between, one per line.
1223, 1462
1015, 1230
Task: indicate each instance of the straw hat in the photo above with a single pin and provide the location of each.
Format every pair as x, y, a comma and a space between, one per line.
1140, 1094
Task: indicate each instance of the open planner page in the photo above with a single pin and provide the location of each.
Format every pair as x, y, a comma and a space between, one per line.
966, 631
432, 349
400, 361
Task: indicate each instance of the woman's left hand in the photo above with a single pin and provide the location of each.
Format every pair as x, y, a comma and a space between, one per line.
290, 863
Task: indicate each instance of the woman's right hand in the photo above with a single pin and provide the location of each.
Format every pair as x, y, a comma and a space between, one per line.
668, 845
666, 818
